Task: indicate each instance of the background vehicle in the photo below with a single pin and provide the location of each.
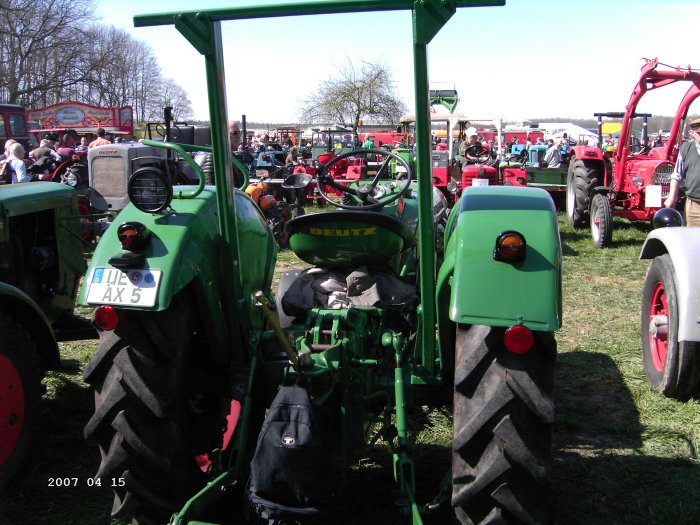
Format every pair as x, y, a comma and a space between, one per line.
670, 311
636, 180
14, 125
192, 351
41, 263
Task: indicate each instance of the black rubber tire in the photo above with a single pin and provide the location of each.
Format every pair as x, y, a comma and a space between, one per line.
20, 375
601, 221
583, 176
157, 405
503, 415
677, 374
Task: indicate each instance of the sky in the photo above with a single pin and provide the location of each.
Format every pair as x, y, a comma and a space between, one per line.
528, 59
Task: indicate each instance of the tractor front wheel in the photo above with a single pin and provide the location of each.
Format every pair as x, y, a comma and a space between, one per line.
672, 367
601, 221
583, 176
20, 394
503, 414
158, 410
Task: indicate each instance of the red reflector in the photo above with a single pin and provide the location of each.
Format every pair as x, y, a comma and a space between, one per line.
518, 339
105, 318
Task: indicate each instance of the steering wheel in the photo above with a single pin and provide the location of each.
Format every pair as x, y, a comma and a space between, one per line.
367, 195
478, 153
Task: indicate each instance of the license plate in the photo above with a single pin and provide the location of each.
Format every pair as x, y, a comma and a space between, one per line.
127, 288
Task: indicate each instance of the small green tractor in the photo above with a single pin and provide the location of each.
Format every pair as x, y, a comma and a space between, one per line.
403, 307
41, 263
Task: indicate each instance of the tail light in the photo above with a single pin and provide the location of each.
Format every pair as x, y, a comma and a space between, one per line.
105, 318
132, 235
518, 339
510, 247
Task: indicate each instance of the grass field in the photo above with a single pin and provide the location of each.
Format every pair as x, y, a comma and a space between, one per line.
623, 454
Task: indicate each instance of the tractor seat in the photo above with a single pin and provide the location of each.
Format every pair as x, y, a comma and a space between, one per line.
347, 238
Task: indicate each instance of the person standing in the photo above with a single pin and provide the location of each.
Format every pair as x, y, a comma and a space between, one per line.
368, 143
16, 164
100, 140
552, 158
687, 175
234, 135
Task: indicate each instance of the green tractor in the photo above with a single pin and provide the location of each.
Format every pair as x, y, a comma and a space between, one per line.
401, 307
41, 263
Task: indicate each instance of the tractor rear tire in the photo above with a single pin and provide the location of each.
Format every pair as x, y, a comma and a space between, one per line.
157, 410
672, 367
583, 176
503, 415
601, 221
20, 394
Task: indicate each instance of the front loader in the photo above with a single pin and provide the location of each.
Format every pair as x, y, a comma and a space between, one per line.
401, 306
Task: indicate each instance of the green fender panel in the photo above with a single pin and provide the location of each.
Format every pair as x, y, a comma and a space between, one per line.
482, 290
16, 303
185, 245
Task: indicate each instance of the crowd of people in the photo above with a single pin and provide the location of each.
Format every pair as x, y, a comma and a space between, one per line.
18, 165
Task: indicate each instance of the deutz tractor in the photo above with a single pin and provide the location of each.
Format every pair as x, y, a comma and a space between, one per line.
41, 263
194, 345
633, 183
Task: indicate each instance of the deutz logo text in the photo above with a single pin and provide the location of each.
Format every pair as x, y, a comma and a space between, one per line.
348, 232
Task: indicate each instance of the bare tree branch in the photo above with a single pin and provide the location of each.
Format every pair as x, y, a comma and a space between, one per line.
363, 93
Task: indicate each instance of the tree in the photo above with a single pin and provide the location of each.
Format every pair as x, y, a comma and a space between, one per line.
171, 94
40, 43
51, 52
356, 94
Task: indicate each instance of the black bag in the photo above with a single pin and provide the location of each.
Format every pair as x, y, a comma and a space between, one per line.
290, 474
6, 172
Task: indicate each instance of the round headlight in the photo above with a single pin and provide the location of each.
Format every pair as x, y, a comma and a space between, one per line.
72, 180
150, 190
452, 187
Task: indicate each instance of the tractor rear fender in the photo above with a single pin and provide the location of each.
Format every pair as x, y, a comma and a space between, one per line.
683, 246
22, 308
587, 152
184, 244
474, 288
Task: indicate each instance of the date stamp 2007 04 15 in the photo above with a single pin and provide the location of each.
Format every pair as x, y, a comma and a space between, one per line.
90, 482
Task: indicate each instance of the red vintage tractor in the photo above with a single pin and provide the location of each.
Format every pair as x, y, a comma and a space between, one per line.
632, 181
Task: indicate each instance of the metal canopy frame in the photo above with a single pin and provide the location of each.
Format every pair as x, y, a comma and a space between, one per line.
203, 30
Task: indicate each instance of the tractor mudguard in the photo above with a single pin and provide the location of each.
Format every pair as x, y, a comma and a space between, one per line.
587, 153
485, 291
184, 245
21, 307
683, 246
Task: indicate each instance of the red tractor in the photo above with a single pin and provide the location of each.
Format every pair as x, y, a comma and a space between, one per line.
632, 181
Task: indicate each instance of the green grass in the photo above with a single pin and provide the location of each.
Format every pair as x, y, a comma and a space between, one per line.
623, 454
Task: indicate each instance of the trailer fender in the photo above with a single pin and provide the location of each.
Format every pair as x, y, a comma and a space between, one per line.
21, 307
683, 246
486, 291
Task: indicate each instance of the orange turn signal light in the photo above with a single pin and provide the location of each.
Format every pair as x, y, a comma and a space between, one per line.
510, 247
132, 235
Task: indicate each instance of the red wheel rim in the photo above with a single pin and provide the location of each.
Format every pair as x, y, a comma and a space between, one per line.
658, 347
11, 408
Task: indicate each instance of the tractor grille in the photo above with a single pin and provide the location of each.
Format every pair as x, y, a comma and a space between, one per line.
662, 177
108, 176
